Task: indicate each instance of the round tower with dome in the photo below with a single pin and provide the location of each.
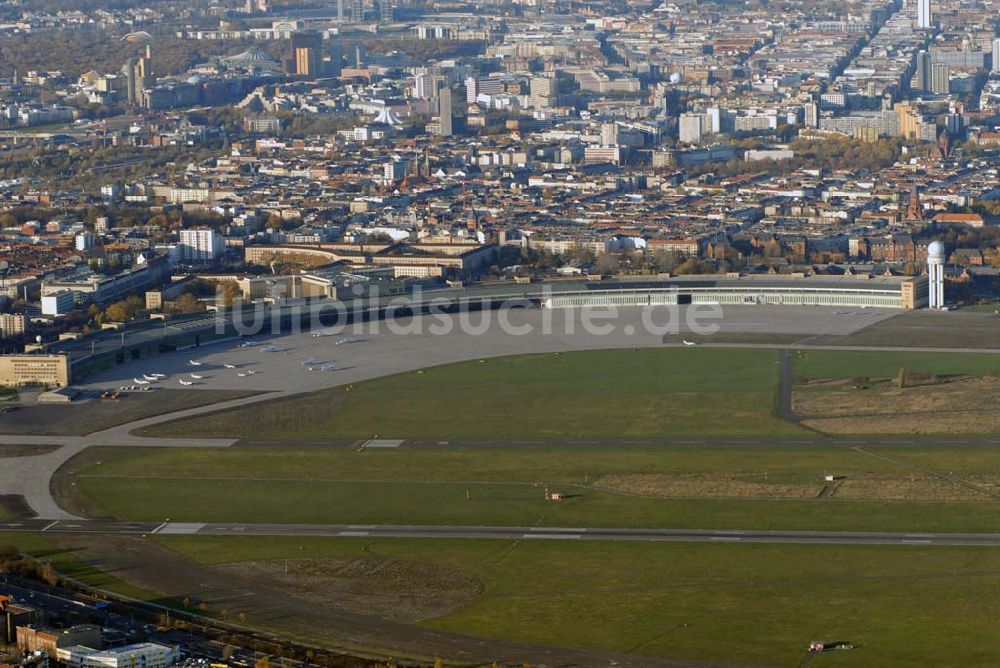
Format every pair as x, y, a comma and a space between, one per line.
935, 274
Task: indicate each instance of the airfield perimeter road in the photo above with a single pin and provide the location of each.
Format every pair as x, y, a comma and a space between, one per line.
106, 527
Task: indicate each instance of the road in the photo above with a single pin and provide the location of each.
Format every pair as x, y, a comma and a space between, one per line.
68, 605
103, 527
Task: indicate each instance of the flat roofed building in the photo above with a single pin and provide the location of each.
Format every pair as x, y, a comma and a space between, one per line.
50, 640
13, 615
905, 293
12, 324
140, 655
201, 245
34, 370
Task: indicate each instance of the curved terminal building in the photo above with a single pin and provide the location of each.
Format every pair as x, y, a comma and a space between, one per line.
850, 291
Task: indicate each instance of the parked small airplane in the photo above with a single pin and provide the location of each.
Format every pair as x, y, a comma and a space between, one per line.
193, 363
141, 382
196, 376
185, 382
151, 379
688, 343
242, 375
228, 365
349, 339
311, 360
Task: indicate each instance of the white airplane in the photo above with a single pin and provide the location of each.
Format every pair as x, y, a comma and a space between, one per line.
151, 379
141, 382
158, 375
251, 372
196, 376
193, 363
329, 367
185, 382
349, 339
242, 375
688, 343
324, 332
311, 360
228, 365
269, 349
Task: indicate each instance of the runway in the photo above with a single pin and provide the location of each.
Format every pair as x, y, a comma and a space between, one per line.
168, 528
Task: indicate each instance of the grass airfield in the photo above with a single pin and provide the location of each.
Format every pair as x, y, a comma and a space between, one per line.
485, 440
591, 395
732, 604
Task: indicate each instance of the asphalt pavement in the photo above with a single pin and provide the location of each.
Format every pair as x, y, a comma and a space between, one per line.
107, 527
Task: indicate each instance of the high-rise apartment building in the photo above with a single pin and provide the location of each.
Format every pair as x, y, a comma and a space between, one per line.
385, 11
544, 91
357, 11
923, 71
940, 78
200, 245
476, 86
305, 58
923, 14
690, 128
445, 113
336, 62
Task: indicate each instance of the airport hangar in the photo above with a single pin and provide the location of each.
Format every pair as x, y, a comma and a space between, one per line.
895, 292
144, 339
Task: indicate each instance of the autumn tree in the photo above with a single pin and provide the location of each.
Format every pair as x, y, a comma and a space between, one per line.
188, 303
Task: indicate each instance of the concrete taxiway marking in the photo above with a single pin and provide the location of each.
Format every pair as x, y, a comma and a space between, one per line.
384, 443
179, 528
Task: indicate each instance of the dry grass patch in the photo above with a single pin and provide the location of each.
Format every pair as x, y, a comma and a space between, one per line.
385, 587
704, 487
918, 487
956, 406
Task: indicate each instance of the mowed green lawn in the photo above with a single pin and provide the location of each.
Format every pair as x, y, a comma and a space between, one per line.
603, 394
875, 364
745, 604
506, 485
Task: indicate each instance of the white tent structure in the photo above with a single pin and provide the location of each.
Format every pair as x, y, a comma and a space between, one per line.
388, 117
